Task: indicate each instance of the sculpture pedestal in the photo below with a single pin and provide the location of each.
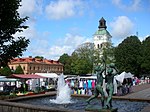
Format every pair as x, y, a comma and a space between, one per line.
91, 108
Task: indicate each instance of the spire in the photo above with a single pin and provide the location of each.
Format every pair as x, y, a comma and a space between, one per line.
102, 23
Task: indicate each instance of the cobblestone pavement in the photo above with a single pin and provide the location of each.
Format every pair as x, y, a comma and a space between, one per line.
140, 92
140, 87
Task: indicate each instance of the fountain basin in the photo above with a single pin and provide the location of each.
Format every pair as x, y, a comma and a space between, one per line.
79, 104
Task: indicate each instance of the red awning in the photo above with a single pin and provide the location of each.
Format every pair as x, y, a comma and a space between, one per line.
26, 76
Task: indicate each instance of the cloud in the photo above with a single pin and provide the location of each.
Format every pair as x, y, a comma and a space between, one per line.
63, 9
63, 45
67, 45
122, 27
29, 7
30, 32
38, 45
133, 5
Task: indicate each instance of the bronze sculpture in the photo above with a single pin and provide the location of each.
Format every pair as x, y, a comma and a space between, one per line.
109, 76
109, 86
98, 89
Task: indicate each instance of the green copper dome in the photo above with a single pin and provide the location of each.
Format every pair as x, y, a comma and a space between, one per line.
102, 32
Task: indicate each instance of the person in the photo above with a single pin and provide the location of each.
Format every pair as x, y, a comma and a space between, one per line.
98, 88
109, 86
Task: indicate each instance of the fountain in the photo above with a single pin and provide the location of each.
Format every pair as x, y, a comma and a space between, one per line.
64, 103
63, 92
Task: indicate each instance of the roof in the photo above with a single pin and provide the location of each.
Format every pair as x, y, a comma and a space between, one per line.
34, 60
26, 76
102, 32
48, 75
102, 19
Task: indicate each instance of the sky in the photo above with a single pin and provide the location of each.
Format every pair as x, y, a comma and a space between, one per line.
60, 26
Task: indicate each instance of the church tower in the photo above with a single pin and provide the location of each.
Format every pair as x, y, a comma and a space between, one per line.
101, 36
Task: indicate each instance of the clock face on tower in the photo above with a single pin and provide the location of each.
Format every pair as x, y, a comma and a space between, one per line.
100, 37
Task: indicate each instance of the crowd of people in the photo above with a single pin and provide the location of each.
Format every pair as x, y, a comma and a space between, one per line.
86, 86
82, 86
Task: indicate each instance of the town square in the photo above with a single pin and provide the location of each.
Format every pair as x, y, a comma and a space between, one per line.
74, 56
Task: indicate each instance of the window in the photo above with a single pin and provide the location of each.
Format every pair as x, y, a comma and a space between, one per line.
97, 45
101, 24
101, 45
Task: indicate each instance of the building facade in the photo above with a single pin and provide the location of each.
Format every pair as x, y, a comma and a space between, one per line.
36, 65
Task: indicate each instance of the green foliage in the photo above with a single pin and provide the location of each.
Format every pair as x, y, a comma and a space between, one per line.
131, 55
6, 71
128, 54
145, 60
39, 57
83, 59
97, 56
108, 53
65, 59
19, 70
10, 23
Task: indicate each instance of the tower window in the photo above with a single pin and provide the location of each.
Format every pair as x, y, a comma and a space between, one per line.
101, 24
97, 45
101, 45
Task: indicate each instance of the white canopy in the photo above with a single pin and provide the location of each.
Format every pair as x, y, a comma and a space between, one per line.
123, 76
2, 77
89, 77
7, 80
48, 75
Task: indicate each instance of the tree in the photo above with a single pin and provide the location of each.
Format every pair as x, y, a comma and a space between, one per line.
108, 53
65, 59
10, 23
19, 70
127, 55
39, 57
83, 59
145, 59
6, 71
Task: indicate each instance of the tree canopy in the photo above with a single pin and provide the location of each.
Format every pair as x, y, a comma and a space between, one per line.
39, 57
131, 55
81, 60
65, 59
19, 70
145, 60
127, 55
6, 71
83, 64
10, 23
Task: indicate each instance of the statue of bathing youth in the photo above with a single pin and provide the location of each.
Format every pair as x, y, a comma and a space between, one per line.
109, 86
98, 89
